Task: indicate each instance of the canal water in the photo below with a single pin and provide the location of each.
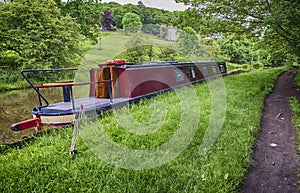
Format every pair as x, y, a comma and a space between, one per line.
16, 106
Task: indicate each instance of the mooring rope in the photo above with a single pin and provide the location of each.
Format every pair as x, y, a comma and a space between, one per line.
75, 132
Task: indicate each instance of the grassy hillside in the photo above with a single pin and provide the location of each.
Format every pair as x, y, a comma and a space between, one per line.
45, 166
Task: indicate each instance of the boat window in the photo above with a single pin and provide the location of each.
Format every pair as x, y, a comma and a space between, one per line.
214, 69
192, 72
222, 69
204, 70
179, 75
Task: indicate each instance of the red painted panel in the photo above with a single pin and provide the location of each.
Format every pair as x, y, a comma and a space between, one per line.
123, 83
26, 124
148, 87
140, 81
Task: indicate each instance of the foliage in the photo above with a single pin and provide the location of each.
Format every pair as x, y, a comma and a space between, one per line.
237, 68
236, 50
188, 43
277, 23
168, 54
141, 3
213, 49
42, 165
88, 14
297, 79
147, 15
131, 23
136, 54
36, 34
188, 18
163, 32
148, 53
143, 48
107, 21
152, 29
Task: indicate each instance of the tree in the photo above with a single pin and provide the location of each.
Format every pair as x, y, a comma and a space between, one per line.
147, 15
272, 21
237, 50
107, 21
37, 35
140, 3
131, 22
187, 18
88, 14
188, 43
118, 12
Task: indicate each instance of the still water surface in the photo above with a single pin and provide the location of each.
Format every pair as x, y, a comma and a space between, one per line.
16, 106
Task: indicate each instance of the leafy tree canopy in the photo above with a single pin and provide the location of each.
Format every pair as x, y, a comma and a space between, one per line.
131, 22
107, 20
276, 22
87, 13
236, 50
188, 43
147, 15
141, 3
36, 33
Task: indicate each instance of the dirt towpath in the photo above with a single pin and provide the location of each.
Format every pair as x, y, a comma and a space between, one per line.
275, 162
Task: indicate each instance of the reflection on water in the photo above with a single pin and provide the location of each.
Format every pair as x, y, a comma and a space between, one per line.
16, 106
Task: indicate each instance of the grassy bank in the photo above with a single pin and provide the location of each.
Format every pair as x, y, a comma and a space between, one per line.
45, 166
295, 105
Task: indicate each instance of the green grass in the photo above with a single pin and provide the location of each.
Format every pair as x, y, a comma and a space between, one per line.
295, 106
114, 44
297, 79
45, 166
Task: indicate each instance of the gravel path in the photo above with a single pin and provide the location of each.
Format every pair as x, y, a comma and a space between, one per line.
275, 162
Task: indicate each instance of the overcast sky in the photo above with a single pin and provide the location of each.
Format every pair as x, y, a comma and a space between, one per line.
161, 4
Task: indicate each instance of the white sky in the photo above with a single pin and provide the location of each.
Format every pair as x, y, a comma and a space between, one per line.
170, 5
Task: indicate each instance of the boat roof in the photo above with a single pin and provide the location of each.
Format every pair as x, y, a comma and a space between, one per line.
166, 64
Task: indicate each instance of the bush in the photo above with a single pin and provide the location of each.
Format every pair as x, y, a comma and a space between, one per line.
255, 66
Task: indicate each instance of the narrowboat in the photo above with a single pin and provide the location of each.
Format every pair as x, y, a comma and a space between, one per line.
114, 84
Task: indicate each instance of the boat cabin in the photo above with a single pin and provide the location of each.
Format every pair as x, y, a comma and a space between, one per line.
129, 80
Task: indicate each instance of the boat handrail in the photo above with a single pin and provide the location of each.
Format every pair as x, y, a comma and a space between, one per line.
71, 84
47, 69
40, 96
62, 84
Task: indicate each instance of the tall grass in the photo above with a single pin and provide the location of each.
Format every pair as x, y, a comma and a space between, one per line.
295, 106
45, 166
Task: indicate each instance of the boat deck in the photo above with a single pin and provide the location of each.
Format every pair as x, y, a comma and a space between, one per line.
88, 103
